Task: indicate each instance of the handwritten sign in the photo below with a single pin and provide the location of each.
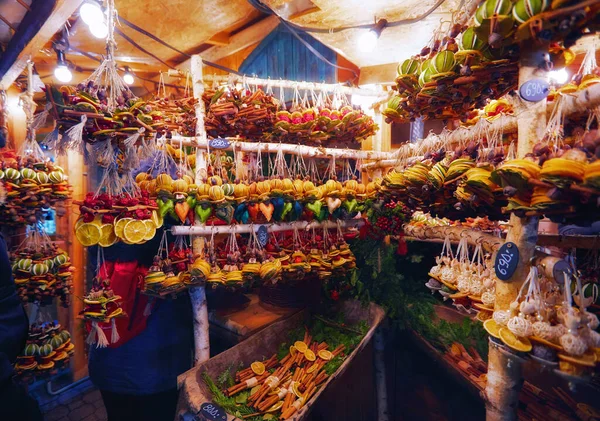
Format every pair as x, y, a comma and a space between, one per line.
212, 412
534, 90
219, 143
507, 260
263, 235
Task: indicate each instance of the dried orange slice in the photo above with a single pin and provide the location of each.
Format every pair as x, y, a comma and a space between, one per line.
135, 231
310, 356
325, 355
515, 342
492, 328
312, 368
120, 226
157, 219
257, 367
108, 235
300, 346
79, 223
296, 389
88, 234
293, 350
482, 316
275, 407
274, 391
150, 230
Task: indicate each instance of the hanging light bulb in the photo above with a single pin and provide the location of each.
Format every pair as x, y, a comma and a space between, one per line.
62, 72
128, 76
368, 40
91, 12
99, 29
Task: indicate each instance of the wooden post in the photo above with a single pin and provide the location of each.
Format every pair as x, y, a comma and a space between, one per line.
504, 371
198, 294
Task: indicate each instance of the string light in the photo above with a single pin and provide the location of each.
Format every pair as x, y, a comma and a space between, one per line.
91, 12
128, 76
99, 29
62, 72
368, 40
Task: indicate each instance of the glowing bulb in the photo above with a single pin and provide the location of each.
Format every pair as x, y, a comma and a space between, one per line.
128, 78
367, 42
14, 105
560, 76
63, 74
99, 29
91, 13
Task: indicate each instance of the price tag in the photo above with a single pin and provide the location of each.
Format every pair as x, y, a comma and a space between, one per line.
534, 90
507, 260
560, 270
219, 143
263, 235
212, 412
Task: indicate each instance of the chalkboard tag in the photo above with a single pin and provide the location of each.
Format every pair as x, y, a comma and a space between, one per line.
263, 235
534, 90
219, 143
212, 412
560, 270
507, 260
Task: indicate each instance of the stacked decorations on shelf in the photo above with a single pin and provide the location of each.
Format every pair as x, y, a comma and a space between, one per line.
551, 322
258, 116
463, 66
47, 350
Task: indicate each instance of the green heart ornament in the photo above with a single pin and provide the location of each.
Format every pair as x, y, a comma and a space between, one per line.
204, 210
287, 208
315, 207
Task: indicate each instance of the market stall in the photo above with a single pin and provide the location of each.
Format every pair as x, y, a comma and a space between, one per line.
283, 201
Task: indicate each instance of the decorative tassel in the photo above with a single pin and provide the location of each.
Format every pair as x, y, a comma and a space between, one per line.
91, 337
102, 339
39, 120
51, 139
132, 159
114, 337
73, 138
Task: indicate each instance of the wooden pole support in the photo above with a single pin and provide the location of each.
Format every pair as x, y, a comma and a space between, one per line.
198, 294
504, 377
504, 381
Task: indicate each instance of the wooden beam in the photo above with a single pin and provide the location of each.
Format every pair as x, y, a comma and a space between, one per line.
10, 26
222, 38
63, 9
238, 42
380, 74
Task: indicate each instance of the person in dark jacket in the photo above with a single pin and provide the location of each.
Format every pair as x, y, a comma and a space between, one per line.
138, 379
16, 404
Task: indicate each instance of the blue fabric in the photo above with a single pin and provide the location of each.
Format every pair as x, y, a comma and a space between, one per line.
150, 362
281, 56
13, 320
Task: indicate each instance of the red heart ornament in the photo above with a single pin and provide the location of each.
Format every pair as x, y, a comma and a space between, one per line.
253, 209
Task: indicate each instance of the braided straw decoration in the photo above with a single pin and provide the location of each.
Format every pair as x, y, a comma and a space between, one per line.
501, 317
520, 326
573, 344
543, 330
488, 298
